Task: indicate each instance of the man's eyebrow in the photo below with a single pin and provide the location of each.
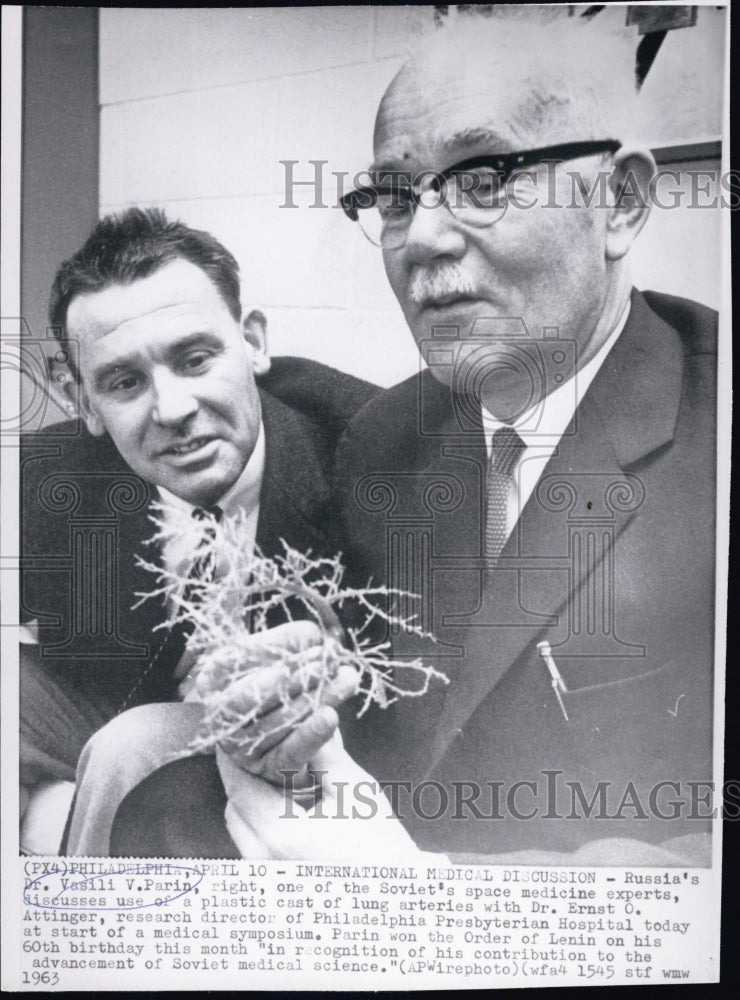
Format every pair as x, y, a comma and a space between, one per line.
467, 139
388, 167
102, 374
395, 155
129, 361
191, 339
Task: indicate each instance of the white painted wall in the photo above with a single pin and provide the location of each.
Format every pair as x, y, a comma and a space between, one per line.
198, 106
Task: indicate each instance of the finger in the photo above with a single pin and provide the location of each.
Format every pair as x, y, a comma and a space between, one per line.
268, 730
259, 738
300, 681
338, 768
251, 749
305, 741
262, 690
285, 644
238, 703
294, 636
342, 686
334, 692
298, 749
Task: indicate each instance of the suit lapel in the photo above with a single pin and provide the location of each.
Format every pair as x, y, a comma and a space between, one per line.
294, 500
630, 411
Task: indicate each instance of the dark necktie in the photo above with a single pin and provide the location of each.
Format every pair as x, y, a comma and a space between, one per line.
506, 448
156, 682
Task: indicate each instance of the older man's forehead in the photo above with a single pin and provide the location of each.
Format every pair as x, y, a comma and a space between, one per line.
437, 108
436, 132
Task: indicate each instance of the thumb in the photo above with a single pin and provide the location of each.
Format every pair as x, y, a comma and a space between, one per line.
336, 767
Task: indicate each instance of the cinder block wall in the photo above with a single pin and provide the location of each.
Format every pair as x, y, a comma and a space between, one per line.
199, 106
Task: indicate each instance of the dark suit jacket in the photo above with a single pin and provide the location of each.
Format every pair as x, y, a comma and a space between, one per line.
612, 562
85, 516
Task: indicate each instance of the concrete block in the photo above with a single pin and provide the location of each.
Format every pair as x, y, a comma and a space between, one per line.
148, 52
216, 143
330, 116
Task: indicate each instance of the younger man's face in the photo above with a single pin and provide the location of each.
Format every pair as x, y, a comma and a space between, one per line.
168, 373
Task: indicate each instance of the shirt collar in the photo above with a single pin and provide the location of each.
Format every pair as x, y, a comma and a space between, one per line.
243, 495
549, 418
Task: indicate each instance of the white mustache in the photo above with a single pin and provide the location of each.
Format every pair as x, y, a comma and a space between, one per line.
442, 280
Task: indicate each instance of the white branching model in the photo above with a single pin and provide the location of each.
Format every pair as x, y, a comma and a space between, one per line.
248, 591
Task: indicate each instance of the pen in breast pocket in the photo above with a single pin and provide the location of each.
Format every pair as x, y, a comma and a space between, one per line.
557, 683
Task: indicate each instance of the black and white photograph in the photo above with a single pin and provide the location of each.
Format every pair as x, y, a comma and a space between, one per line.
365, 457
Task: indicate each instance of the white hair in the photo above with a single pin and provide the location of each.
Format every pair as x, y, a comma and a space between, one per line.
574, 75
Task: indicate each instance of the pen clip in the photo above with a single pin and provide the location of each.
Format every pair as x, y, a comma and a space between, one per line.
557, 683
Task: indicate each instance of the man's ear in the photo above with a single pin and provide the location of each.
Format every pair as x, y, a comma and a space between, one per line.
75, 392
630, 184
254, 327
67, 385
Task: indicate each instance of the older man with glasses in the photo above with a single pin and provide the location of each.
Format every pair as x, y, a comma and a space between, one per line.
546, 486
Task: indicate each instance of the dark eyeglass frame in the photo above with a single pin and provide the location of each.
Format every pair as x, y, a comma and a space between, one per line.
503, 163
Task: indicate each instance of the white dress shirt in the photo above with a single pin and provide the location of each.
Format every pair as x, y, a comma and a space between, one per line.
543, 425
244, 495
179, 550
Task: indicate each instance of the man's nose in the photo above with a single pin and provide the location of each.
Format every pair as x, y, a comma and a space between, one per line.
434, 232
173, 402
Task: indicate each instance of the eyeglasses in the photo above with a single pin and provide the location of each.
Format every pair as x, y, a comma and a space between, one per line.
474, 191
